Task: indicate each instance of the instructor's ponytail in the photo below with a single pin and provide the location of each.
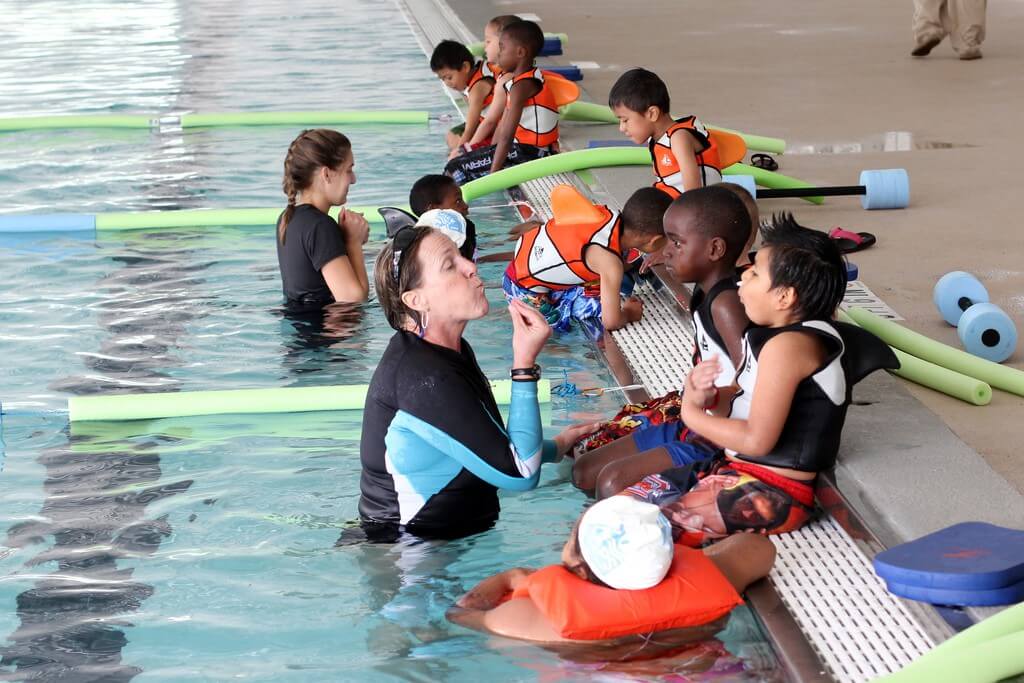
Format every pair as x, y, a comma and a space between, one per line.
309, 152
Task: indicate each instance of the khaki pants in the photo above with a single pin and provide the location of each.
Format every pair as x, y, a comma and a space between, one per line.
962, 20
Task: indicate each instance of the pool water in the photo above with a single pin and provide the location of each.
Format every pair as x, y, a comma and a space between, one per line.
204, 548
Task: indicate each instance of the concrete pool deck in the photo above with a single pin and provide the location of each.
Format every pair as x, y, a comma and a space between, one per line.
817, 75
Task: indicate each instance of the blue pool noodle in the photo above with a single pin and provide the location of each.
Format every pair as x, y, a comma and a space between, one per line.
48, 222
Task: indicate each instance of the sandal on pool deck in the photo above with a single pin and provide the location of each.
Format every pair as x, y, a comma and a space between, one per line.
849, 242
764, 162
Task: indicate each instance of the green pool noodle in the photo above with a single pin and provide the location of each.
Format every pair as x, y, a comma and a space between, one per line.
987, 652
242, 401
301, 118
772, 180
936, 377
593, 112
71, 122
588, 112
189, 218
926, 348
596, 158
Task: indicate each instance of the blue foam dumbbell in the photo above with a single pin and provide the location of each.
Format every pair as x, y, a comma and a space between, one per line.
984, 329
885, 189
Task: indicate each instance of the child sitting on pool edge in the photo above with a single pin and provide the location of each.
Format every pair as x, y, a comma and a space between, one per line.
529, 123
705, 231
571, 268
454, 65
785, 421
666, 408
683, 154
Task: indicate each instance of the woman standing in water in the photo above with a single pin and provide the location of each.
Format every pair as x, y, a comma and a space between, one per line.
434, 447
321, 259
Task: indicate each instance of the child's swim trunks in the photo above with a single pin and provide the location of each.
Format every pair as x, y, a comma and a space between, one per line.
477, 164
558, 307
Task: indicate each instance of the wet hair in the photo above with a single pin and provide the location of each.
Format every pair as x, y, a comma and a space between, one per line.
717, 211
644, 211
527, 34
391, 285
638, 89
430, 189
450, 54
809, 262
311, 150
502, 20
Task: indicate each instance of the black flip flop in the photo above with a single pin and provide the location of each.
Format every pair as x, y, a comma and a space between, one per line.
849, 242
764, 162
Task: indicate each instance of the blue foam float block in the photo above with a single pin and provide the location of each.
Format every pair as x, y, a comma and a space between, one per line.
852, 272
591, 144
961, 597
552, 47
972, 556
48, 222
571, 73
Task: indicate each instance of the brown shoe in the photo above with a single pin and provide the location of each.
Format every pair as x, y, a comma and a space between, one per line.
968, 53
925, 46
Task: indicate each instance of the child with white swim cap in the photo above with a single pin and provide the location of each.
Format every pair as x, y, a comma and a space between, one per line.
620, 579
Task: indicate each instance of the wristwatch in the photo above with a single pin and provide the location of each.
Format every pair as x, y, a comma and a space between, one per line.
525, 374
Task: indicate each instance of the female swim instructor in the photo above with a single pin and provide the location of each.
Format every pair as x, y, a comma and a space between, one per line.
434, 450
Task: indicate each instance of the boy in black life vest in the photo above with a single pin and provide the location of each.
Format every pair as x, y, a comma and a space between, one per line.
705, 231
454, 65
684, 155
793, 386
563, 266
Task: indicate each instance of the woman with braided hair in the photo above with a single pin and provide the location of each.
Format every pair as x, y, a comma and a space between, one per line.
321, 259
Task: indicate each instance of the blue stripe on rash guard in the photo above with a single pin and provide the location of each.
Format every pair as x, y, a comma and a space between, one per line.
418, 468
524, 428
426, 454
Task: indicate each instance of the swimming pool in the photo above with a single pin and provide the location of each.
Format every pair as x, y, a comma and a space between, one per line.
203, 548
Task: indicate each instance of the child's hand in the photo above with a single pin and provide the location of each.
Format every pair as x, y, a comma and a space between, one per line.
529, 333
700, 384
354, 226
651, 260
525, 226
566, 440
504, 78
632, 309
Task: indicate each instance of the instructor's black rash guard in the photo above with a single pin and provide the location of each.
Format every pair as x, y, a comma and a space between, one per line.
434, 451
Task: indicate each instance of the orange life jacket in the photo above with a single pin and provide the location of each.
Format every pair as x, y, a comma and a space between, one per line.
550, 256
538, 124
481, 70
666, 166
693, 593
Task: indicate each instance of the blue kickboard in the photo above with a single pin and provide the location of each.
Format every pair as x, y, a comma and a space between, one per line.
552, 47
1007, 595
972, 556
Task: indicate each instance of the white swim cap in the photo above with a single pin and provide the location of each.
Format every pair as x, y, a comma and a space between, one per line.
450, 222
627, 543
